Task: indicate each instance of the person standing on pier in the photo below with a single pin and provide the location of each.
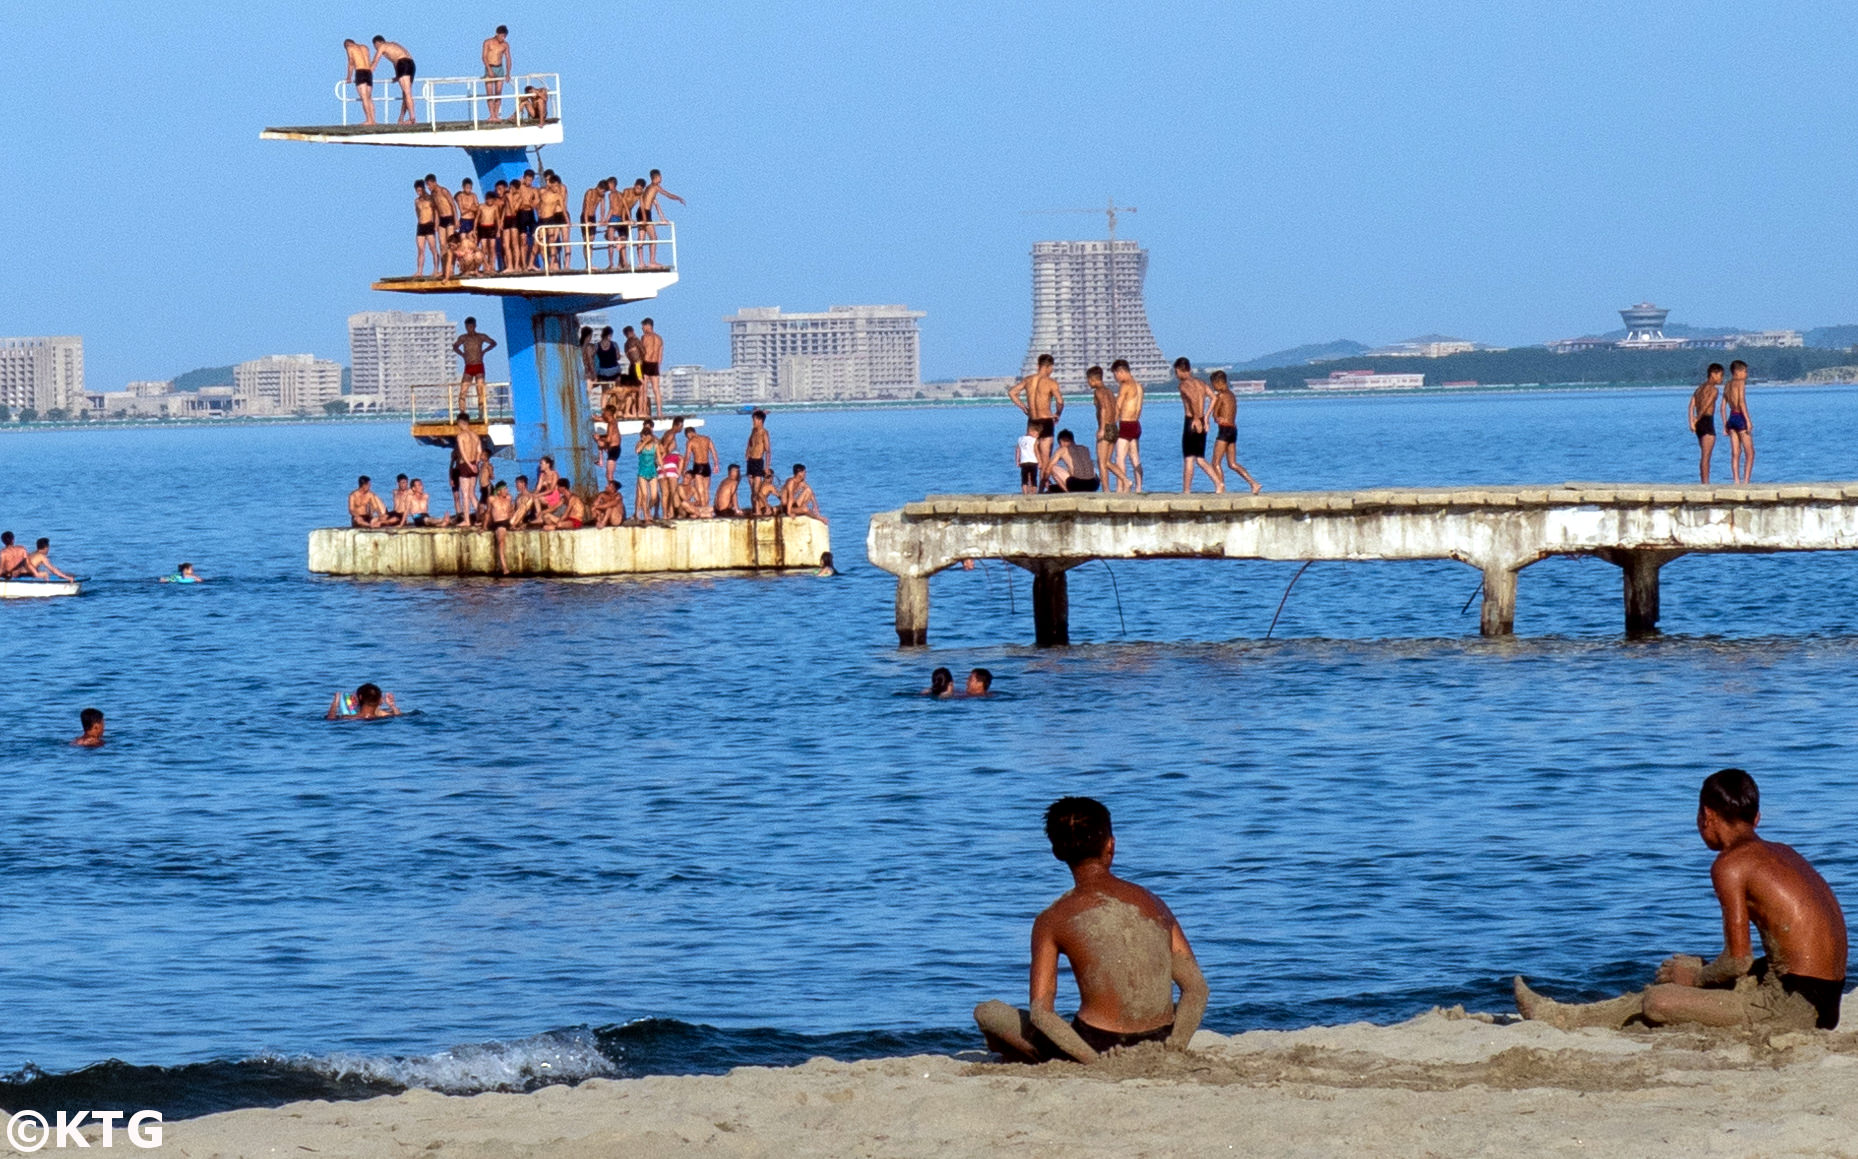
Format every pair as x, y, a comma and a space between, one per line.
1105, 400
403, 73
651, 355
467, 455
760, 454
1225, 413
361, 75
497, 63
1740, 427
1128, 468
645, 494
700, 463
425, 227
1703, 417
1196, 400
630, 379
472, 346
1038, 396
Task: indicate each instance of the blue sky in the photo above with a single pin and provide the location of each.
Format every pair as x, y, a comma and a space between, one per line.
1303, 170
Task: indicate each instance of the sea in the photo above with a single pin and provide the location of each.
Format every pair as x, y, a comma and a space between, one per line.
679, 824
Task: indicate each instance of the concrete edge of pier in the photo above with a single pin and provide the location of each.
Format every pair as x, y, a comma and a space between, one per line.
686, 545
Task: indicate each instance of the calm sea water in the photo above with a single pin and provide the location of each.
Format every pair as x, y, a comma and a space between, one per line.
674, 824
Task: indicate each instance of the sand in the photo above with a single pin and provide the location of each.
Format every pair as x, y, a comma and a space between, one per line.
1443, 1084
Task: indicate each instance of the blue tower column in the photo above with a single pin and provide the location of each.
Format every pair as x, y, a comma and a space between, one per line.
542, 336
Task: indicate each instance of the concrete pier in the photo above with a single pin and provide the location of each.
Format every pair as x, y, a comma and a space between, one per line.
687, 545
1499, 530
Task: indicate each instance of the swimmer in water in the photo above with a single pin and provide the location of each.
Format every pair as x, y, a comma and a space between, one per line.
980, 682
1126, 950
366, 703
825, 565
941, 683
92, 720
183, 574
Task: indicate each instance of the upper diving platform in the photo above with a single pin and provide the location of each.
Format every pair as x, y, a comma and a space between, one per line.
453, 111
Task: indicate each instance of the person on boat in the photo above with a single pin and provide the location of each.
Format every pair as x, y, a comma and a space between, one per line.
92, 720
40, 562
1127, 952
366, 703
12, 557
183, 574
1797, 983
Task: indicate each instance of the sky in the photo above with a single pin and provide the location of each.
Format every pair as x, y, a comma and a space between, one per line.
1302, 170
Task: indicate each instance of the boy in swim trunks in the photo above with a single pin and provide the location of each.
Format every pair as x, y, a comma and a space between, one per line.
497, 61
361, 75
403, 72
760, 451
1225, 413
1105, 400
700, 465
1128, 468
1796, 984
1703, 417
651, 354
1038, 396
1126, 949
1741, 430
1195, 401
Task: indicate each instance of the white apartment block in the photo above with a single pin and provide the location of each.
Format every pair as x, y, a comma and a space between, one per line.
43, 374
1366, 380
695, 386
392, 351
1087, 310
881, 345
283, 383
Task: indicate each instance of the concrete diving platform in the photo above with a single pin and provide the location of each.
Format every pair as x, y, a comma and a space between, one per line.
1498, 530
686, 545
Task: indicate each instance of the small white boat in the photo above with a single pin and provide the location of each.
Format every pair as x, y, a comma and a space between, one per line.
30, 589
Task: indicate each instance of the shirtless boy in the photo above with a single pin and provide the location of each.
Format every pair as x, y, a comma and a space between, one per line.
797, 496
497, 63
648, 212
551, 216
634, 361
361, 75
425, 231
651, 354
364, 506
1128, 469
760, 450
12, 557
1196, 400
467, 209
444, 205
619, 205
92, 721
1038, 396
609, 506
1798, 981
39, 562
472, 346
1703, 417
609, 442
1741, 429
700, 462
403, 72
499, 512
1126, 950
467, 466
1105, 401
1225, 412
728, 493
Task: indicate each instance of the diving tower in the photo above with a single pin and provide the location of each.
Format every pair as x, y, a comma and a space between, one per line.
587, 268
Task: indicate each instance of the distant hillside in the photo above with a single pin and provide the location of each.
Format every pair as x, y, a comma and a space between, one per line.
1535, 365
1317, 352
204, 376
1833, 337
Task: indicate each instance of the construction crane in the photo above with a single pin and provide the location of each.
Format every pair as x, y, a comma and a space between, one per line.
1109, 210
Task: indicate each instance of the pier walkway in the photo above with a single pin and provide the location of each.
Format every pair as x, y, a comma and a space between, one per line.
1498, 530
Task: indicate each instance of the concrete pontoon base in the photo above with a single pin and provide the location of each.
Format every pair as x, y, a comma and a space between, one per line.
685, 545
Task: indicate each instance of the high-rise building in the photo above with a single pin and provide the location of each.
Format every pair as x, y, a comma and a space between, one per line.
392, 351
873, 351
1087, 310
43, 374
283, 383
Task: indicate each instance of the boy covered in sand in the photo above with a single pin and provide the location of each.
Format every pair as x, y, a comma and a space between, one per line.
1796, 985
1125, 947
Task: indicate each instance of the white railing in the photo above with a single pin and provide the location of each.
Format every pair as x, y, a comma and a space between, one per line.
597, 248
464, 99
493, 400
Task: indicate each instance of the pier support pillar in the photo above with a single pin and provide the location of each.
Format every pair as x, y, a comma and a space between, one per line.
912, 611
1498, 617
1639, 571
1051, 606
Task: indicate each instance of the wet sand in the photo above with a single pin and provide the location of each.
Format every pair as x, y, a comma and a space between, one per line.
1441, 1084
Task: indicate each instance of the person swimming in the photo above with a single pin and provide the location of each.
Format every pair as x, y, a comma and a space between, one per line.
366, 703
941, 684
183, 574
92, 720
825, 565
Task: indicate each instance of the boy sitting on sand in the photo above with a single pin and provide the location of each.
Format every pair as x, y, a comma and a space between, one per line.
1796, 985
1125, 947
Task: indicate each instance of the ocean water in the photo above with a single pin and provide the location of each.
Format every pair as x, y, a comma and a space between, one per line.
678, 824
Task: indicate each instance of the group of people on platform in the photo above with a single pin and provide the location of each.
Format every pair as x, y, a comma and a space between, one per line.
1053, 460
624, 375
531, 106
523, 226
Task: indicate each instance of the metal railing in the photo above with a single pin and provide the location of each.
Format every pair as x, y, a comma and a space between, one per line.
450, 92
493, 400
618, 247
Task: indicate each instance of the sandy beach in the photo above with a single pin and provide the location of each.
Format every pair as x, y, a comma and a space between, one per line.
1445, 1083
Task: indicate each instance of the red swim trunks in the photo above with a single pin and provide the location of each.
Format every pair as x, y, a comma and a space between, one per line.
1130, 431
474, 370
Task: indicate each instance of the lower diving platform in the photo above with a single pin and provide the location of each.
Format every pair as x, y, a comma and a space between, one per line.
761, 543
